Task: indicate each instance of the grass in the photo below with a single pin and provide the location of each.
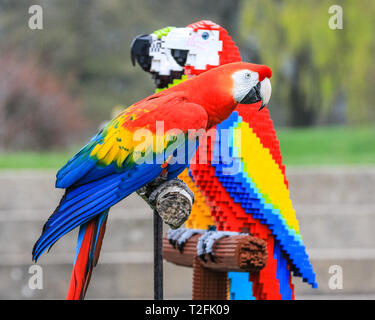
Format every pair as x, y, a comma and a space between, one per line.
328, 146
34, 160
315, 146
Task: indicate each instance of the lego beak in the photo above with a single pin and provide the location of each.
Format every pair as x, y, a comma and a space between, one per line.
139, 51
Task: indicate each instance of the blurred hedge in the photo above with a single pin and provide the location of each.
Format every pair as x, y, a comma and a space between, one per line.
36, 110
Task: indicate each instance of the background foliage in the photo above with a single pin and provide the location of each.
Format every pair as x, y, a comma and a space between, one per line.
321, 76
36, 111
317, 70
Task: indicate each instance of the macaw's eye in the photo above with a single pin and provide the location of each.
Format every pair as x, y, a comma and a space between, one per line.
247, 75
205, 35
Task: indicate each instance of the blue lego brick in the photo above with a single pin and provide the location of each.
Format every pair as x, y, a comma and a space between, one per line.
240, 286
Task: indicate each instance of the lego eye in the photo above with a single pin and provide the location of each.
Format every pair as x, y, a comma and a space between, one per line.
205, 35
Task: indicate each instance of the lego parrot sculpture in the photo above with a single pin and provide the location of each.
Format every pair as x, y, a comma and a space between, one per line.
254, 198
130, 152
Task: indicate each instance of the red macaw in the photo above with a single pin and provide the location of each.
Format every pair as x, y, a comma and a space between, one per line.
112, 165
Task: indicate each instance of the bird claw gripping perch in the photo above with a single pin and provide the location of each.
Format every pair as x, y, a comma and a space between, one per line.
177, 238
147, 189
206, 242
172, 199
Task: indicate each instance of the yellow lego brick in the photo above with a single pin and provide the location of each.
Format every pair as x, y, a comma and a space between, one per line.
200, 217
264, 171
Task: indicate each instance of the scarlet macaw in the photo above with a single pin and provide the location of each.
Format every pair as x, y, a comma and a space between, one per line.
111, 166
256, 200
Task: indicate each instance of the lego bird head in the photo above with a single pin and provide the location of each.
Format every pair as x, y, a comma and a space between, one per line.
170, 52
154, 57
206, 44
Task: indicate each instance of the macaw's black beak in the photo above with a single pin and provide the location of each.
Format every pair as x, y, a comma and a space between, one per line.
139, 51
253, 96
262, 106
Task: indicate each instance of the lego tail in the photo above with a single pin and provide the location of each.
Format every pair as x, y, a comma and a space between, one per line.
273, 282
283, 274
89, 244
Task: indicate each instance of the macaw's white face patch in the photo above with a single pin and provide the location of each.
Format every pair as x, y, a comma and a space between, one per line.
243, 82
203, 46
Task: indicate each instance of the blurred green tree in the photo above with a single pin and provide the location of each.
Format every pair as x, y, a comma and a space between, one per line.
314, 66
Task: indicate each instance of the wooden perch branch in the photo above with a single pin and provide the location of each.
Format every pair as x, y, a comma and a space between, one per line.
235, 253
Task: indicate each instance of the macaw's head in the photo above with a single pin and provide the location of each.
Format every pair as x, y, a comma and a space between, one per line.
221, 89
252, 84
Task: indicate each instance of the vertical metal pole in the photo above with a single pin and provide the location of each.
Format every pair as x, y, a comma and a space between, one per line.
158, 257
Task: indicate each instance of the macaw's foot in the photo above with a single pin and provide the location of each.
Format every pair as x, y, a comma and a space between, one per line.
147, 189
177, 238
172, 199
206, 242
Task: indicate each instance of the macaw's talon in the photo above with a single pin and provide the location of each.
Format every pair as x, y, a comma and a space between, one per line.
173, 236
146, 191
212, 257
178, 238
180, 247
206, 243
203, 258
